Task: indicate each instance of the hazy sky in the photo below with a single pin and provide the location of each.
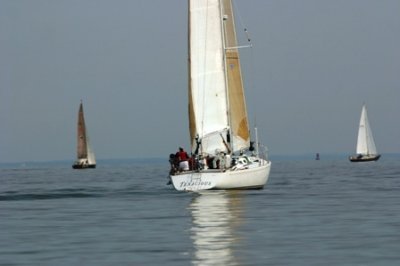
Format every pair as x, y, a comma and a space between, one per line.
312, 65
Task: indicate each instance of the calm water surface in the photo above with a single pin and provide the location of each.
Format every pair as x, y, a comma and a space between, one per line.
310, 213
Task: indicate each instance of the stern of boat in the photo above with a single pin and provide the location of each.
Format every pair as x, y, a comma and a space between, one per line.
249, 178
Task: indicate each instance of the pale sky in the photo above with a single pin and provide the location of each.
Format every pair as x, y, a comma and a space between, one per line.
312, 65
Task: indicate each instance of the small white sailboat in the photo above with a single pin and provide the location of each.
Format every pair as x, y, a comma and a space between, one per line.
222, 155
85, 155
366, 149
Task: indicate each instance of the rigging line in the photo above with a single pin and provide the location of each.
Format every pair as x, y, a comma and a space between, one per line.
250, 68
250, 80
241, 21
224, 41
249, 45
254, 88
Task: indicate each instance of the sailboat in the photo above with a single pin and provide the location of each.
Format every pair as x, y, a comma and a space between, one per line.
366, 149
86, 158
223, 157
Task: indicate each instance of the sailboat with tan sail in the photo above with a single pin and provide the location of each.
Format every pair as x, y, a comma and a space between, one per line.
223, 157
85, 155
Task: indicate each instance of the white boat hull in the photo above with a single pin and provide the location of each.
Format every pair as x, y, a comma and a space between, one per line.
253, 177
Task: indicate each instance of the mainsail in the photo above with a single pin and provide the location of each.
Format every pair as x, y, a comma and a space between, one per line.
365, 140
217, 111
82, 147
84, 150
91, 157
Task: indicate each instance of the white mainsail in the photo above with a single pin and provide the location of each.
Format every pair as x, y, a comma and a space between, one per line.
90, 154
217, 108
365, 140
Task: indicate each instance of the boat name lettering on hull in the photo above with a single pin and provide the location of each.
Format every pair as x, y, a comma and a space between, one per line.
195, 183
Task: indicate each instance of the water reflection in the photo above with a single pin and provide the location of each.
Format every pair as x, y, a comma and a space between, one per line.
215, 215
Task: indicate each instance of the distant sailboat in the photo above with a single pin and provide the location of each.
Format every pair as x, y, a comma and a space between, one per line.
366, 149
86, 158
223, 156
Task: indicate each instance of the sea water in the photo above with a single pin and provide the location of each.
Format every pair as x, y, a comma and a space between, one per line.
327, 212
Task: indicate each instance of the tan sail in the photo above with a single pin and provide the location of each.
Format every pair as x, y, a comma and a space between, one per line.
237, 111
82, 147
192, 121
85, 154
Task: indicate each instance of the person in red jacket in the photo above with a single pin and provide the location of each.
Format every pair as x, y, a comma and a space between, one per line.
182, 157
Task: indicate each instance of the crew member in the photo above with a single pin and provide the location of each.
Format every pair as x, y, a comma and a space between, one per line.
182, 158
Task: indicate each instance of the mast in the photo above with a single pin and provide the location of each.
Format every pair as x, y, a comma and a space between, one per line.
225, 17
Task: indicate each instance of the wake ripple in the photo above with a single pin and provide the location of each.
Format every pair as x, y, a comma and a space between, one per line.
48, 195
